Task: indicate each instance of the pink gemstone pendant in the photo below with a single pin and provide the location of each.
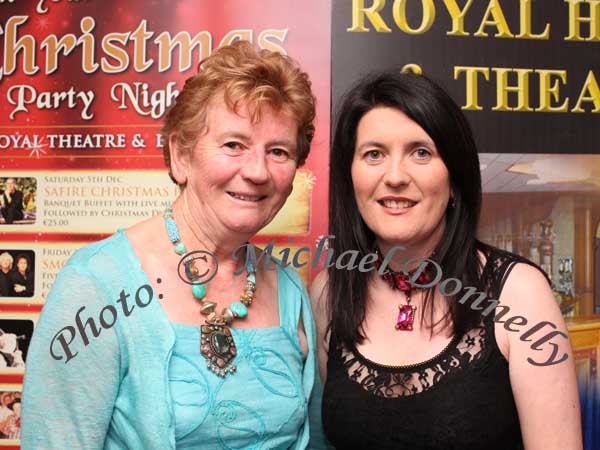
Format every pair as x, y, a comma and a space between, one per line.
406, 317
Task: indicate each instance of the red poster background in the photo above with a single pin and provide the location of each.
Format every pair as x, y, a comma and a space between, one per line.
305, 25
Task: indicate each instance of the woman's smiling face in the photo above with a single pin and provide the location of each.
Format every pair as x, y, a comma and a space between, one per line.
241, 172
401, 184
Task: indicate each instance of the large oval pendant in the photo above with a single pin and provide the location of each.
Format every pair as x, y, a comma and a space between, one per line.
218, 347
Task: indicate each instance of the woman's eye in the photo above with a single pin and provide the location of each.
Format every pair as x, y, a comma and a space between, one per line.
280, 153
422, 153
233, 145
373, 155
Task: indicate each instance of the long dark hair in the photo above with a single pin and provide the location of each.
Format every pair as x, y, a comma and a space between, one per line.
428, 105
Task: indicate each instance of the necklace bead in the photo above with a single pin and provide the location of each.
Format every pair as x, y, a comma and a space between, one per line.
239, 309
172, 230
199, 291
207, 307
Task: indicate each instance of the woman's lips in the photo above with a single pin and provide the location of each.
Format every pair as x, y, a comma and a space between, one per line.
246, 197
396, 204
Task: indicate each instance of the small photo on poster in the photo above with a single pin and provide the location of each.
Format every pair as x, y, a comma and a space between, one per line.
15, 336
17, 273
10, 414
17, 200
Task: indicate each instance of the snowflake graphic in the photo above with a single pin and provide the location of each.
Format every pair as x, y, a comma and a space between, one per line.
306, 180
37, 149
42, 23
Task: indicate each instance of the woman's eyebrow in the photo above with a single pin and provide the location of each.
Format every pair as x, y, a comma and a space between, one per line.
245, 137
233, 135
424, 142
370, 144
284, 142
415, 143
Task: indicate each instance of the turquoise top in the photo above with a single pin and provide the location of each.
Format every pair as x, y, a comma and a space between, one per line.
105, 371
261, 406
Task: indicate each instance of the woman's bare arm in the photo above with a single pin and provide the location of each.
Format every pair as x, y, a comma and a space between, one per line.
544, 383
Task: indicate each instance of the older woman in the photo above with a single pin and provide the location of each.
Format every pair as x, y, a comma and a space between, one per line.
413, 363
226, 364
6, 263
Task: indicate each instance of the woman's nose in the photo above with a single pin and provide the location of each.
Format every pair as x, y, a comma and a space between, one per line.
396, 174
254, 167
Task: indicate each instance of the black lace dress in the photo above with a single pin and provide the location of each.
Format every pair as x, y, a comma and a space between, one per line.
459, 400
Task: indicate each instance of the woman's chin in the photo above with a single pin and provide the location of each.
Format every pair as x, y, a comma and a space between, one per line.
247, 227
405, 239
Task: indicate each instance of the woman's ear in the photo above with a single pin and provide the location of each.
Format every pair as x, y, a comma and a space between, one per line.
180, 160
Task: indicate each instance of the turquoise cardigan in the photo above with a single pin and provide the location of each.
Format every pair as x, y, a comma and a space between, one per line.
113, 392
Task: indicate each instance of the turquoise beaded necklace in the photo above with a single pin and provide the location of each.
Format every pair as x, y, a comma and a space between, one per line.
216, 341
